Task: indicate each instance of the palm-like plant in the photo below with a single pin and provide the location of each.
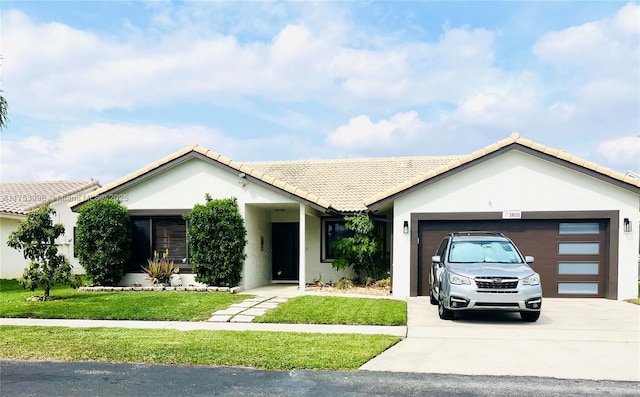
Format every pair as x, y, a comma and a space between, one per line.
3, 112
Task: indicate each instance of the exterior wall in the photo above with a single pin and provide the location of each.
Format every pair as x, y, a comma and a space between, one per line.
257, 265
186, 184
181, 187
518, 181
12, 263
315, 267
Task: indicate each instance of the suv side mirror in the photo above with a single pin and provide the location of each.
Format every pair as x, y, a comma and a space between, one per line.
528, 259
435, 259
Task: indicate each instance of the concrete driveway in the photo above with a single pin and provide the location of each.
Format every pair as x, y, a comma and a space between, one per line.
573, 339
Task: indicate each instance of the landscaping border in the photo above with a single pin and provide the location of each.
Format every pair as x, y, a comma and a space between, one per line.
231, 290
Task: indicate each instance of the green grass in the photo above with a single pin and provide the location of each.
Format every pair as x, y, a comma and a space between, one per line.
72, 304
267, 350
337, 310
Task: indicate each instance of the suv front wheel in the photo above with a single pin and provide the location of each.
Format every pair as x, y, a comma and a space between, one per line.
443, 312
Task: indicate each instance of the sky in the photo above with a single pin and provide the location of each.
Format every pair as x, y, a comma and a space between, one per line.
101, 89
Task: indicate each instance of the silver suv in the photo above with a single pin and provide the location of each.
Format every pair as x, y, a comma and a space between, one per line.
483, 271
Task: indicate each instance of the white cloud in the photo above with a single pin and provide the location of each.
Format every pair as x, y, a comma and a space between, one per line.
604, 48
75, 70
622, 150
360, 132
108, 151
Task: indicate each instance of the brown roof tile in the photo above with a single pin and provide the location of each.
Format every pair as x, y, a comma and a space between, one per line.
349, 185
21, 197
514, 138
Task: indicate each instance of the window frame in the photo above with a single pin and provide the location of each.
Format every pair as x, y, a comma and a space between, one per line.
151, 219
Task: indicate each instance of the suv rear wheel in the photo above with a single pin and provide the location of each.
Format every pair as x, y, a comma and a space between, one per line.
530, 317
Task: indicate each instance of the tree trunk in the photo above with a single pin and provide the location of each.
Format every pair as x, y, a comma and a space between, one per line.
46, 293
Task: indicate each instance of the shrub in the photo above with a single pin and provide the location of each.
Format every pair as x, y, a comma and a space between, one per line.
160, 269
217, 237
362, 251
103, 240
35, 237
344, 283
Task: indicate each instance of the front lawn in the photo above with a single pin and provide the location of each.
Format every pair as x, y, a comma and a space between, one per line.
194, 306
337, 310
266, 350
72, 304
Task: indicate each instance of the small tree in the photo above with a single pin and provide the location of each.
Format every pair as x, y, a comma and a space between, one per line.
36, 237
217, 238
103, 240
362, 251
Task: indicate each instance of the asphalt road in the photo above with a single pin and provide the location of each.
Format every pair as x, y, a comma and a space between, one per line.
40, 378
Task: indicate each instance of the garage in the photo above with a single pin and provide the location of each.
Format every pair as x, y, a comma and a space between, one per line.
572, 255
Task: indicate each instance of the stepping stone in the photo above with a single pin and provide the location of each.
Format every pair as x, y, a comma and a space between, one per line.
242, 318
279, 300
253, 312
258, 299
229, 312
244, 305
266, 305
219, 319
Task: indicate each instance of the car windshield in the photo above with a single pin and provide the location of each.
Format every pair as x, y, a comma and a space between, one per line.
483, 251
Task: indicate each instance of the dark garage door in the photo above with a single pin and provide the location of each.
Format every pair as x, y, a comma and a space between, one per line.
571, 256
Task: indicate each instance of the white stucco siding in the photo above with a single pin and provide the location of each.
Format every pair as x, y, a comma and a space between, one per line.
186, 184
519, 181
316, 269
257, 266
12, 263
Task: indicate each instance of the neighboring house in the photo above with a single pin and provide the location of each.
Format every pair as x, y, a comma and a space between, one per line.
17, 199
578, 219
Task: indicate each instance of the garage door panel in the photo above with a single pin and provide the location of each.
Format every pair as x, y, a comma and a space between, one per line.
569, 255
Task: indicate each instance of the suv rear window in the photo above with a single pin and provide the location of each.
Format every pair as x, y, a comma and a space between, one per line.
483, 251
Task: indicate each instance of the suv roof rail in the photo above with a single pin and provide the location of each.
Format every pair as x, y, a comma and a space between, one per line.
477, 233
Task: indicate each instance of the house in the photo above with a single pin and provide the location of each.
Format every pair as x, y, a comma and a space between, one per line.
17, 199
578, 219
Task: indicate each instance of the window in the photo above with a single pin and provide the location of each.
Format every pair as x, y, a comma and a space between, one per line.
159, 234
332, 231
578, 267
335, 229
578, 288
483, 251
579, 228
578, 248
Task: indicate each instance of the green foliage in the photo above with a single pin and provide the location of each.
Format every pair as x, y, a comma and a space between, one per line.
160, 269
362, 251
4, 109
35, 237
344, 283
384, 283
310, 309
103, 240
282, 351
217, 237
138, 305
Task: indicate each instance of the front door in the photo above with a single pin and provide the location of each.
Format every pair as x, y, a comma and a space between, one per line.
285, 251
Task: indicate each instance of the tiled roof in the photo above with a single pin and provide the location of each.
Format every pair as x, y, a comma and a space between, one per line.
21, 197
350, 185
514, 138
346, 183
